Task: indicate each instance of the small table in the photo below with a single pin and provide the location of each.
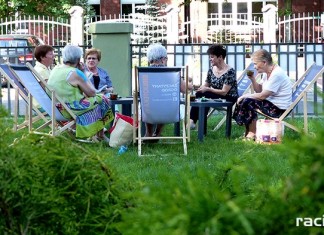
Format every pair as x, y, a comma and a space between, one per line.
202, 127
126, 104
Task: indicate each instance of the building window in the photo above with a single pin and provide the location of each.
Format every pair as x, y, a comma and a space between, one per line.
131, 8
242, 13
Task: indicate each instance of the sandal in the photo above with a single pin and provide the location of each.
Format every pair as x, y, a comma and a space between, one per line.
249, 138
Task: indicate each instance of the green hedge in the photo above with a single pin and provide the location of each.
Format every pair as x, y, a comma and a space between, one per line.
53, 186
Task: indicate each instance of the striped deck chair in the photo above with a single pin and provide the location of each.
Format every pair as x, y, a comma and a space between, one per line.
300, 89
35, 87
21, 91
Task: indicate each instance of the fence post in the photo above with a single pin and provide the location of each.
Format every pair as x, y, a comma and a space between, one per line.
76, 13
113, 39
322, 24
269, 23
172, 24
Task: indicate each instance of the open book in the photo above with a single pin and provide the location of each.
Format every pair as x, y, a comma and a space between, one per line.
101, 89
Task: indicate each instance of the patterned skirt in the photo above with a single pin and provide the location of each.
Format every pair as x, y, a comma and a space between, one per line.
245, 113
92, 115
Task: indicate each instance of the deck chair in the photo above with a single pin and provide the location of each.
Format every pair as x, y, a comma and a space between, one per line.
300, 89
243, 86
160, 99
34, 84
21, 91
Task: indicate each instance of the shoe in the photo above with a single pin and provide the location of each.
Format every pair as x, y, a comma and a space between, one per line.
249, 138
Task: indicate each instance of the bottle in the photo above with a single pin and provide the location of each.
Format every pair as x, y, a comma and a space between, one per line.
122, 149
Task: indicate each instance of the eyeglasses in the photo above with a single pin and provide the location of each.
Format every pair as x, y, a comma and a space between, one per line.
92, 58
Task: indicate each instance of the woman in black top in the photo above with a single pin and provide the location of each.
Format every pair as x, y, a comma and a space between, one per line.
220, 82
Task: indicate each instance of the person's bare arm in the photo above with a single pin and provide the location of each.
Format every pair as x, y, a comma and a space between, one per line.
256, 86
85, 86
183, 86
225, 89
258, 96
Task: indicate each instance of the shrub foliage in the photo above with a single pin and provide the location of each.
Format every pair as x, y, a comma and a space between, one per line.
53, 186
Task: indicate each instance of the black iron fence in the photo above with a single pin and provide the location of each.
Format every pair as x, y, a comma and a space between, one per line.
295, 58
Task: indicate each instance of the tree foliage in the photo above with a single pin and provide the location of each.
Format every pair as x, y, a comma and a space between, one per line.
58, 8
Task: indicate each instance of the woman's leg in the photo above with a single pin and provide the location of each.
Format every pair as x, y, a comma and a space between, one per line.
158, 130
251, 130
245, 113
149, 128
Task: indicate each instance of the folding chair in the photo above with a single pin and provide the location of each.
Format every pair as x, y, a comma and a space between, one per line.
20, 90
159, 97
243, 86
300, 89
34, 85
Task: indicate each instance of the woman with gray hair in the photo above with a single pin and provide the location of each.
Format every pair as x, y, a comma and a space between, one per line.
70, 83
272, 94
157, 57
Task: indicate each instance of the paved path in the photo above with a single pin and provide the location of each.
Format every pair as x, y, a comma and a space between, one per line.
11, 96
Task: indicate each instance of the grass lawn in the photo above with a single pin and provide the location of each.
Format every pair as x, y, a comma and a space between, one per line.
221, 187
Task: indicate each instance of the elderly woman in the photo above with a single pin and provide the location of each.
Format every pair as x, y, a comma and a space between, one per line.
44, 55
100, 77
157, 57
70, 83
272, 95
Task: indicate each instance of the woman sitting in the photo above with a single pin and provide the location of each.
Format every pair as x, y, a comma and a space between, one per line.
272, 95
100, 77
220, 82
70, 83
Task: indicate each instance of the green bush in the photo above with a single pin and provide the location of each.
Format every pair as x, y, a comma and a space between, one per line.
53, 186
302, 193
258, 192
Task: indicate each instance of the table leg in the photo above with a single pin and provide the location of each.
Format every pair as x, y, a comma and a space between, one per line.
177, 129
127, 109
228, 122
201, 125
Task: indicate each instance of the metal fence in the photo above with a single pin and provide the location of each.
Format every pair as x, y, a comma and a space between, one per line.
301, 27
294, 58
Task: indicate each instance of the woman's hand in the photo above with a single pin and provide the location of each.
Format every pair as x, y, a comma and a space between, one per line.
203, 89
81, 66
239, 100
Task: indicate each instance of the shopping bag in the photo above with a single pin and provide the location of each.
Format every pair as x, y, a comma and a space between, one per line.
269, 131
121, 133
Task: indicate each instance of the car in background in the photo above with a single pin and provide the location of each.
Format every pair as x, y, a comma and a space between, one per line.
17, 49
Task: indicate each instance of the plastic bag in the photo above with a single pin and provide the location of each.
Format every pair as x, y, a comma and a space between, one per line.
269, 131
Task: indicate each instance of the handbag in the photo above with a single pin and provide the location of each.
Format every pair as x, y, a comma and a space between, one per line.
121, 132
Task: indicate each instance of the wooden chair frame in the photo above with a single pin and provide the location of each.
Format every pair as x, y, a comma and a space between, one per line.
137, 135
300, 89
